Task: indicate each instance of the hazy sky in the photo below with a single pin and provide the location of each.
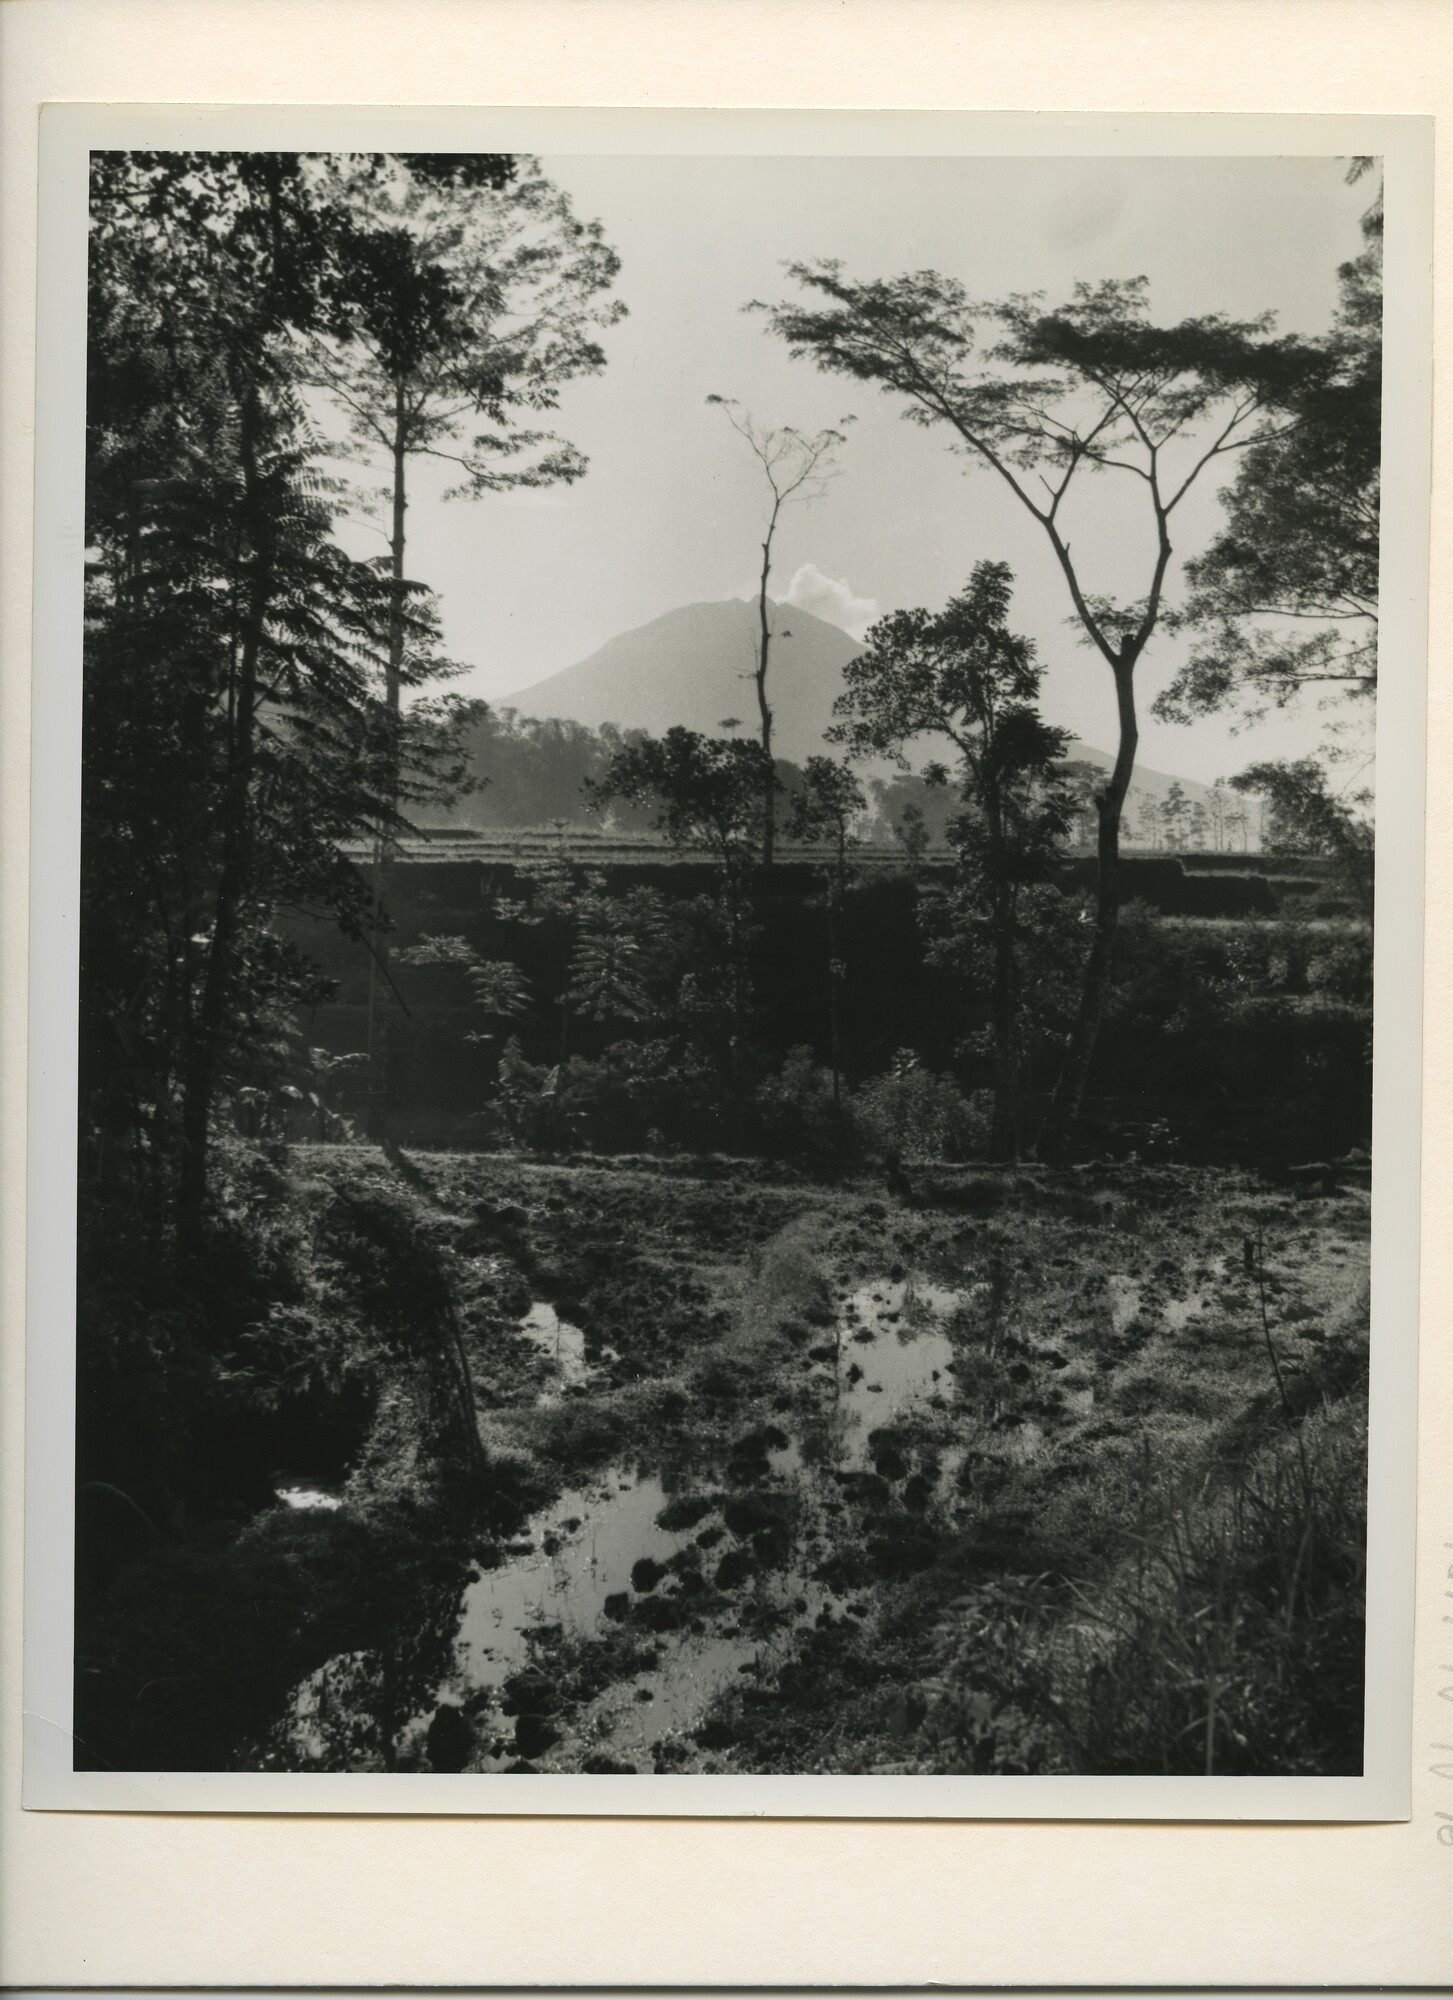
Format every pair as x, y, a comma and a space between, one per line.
671, 509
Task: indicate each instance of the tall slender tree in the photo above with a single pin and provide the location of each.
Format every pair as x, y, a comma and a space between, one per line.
706, 792
797, 468
607, 981
1148, 821
230, 686
1173, 810
477, 296
1047, 401
1218, 804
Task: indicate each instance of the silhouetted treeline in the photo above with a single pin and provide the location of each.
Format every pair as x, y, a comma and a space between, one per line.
531, 771
534, 771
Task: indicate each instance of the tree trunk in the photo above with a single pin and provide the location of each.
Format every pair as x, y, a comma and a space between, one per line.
200, 1087
735, 896
764, 645
468, 1409
1064, 1111
833, 1028
380, 1021
610, 1117
1004, 1138
1004, 1143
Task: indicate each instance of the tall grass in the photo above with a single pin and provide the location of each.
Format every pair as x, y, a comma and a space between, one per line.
1228, 1637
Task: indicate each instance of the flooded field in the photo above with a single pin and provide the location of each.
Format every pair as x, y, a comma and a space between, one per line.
770, 1477
717, 1575
810, 1473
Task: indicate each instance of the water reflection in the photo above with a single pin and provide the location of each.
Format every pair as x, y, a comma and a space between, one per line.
562, 1344
583, 1550
893, 1353
682, 1591
305, 1494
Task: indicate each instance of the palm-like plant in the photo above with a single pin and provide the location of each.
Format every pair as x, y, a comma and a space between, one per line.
608, 966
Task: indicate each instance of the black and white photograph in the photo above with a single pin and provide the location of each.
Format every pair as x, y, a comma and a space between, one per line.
724, 1107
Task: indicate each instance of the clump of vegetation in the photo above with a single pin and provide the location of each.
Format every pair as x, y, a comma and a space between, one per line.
961, 675
1227, 1637
791, 1280
911, 1114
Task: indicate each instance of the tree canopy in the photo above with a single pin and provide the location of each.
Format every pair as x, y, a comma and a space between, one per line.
467, 316
797, 466
962, 675
705, 791
1046, 397
236, 729
1285, 595
1051, 400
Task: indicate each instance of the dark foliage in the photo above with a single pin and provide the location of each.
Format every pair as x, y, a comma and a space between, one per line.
962, 677
1285, 596
234, 733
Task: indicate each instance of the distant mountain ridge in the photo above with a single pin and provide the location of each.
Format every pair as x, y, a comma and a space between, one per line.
693, 667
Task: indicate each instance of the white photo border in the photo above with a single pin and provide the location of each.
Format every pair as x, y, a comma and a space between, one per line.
69, 133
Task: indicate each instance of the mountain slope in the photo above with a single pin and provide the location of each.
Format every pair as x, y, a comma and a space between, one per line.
693, 666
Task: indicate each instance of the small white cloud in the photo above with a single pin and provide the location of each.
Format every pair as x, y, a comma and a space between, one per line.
831, 598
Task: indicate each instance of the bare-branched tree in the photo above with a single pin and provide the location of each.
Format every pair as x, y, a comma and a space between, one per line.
797, 467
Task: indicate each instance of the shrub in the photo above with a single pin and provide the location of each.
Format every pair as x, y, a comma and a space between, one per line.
647, 1093
911, 1114
795, 1111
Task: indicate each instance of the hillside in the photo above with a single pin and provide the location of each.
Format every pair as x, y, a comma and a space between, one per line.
693, 666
